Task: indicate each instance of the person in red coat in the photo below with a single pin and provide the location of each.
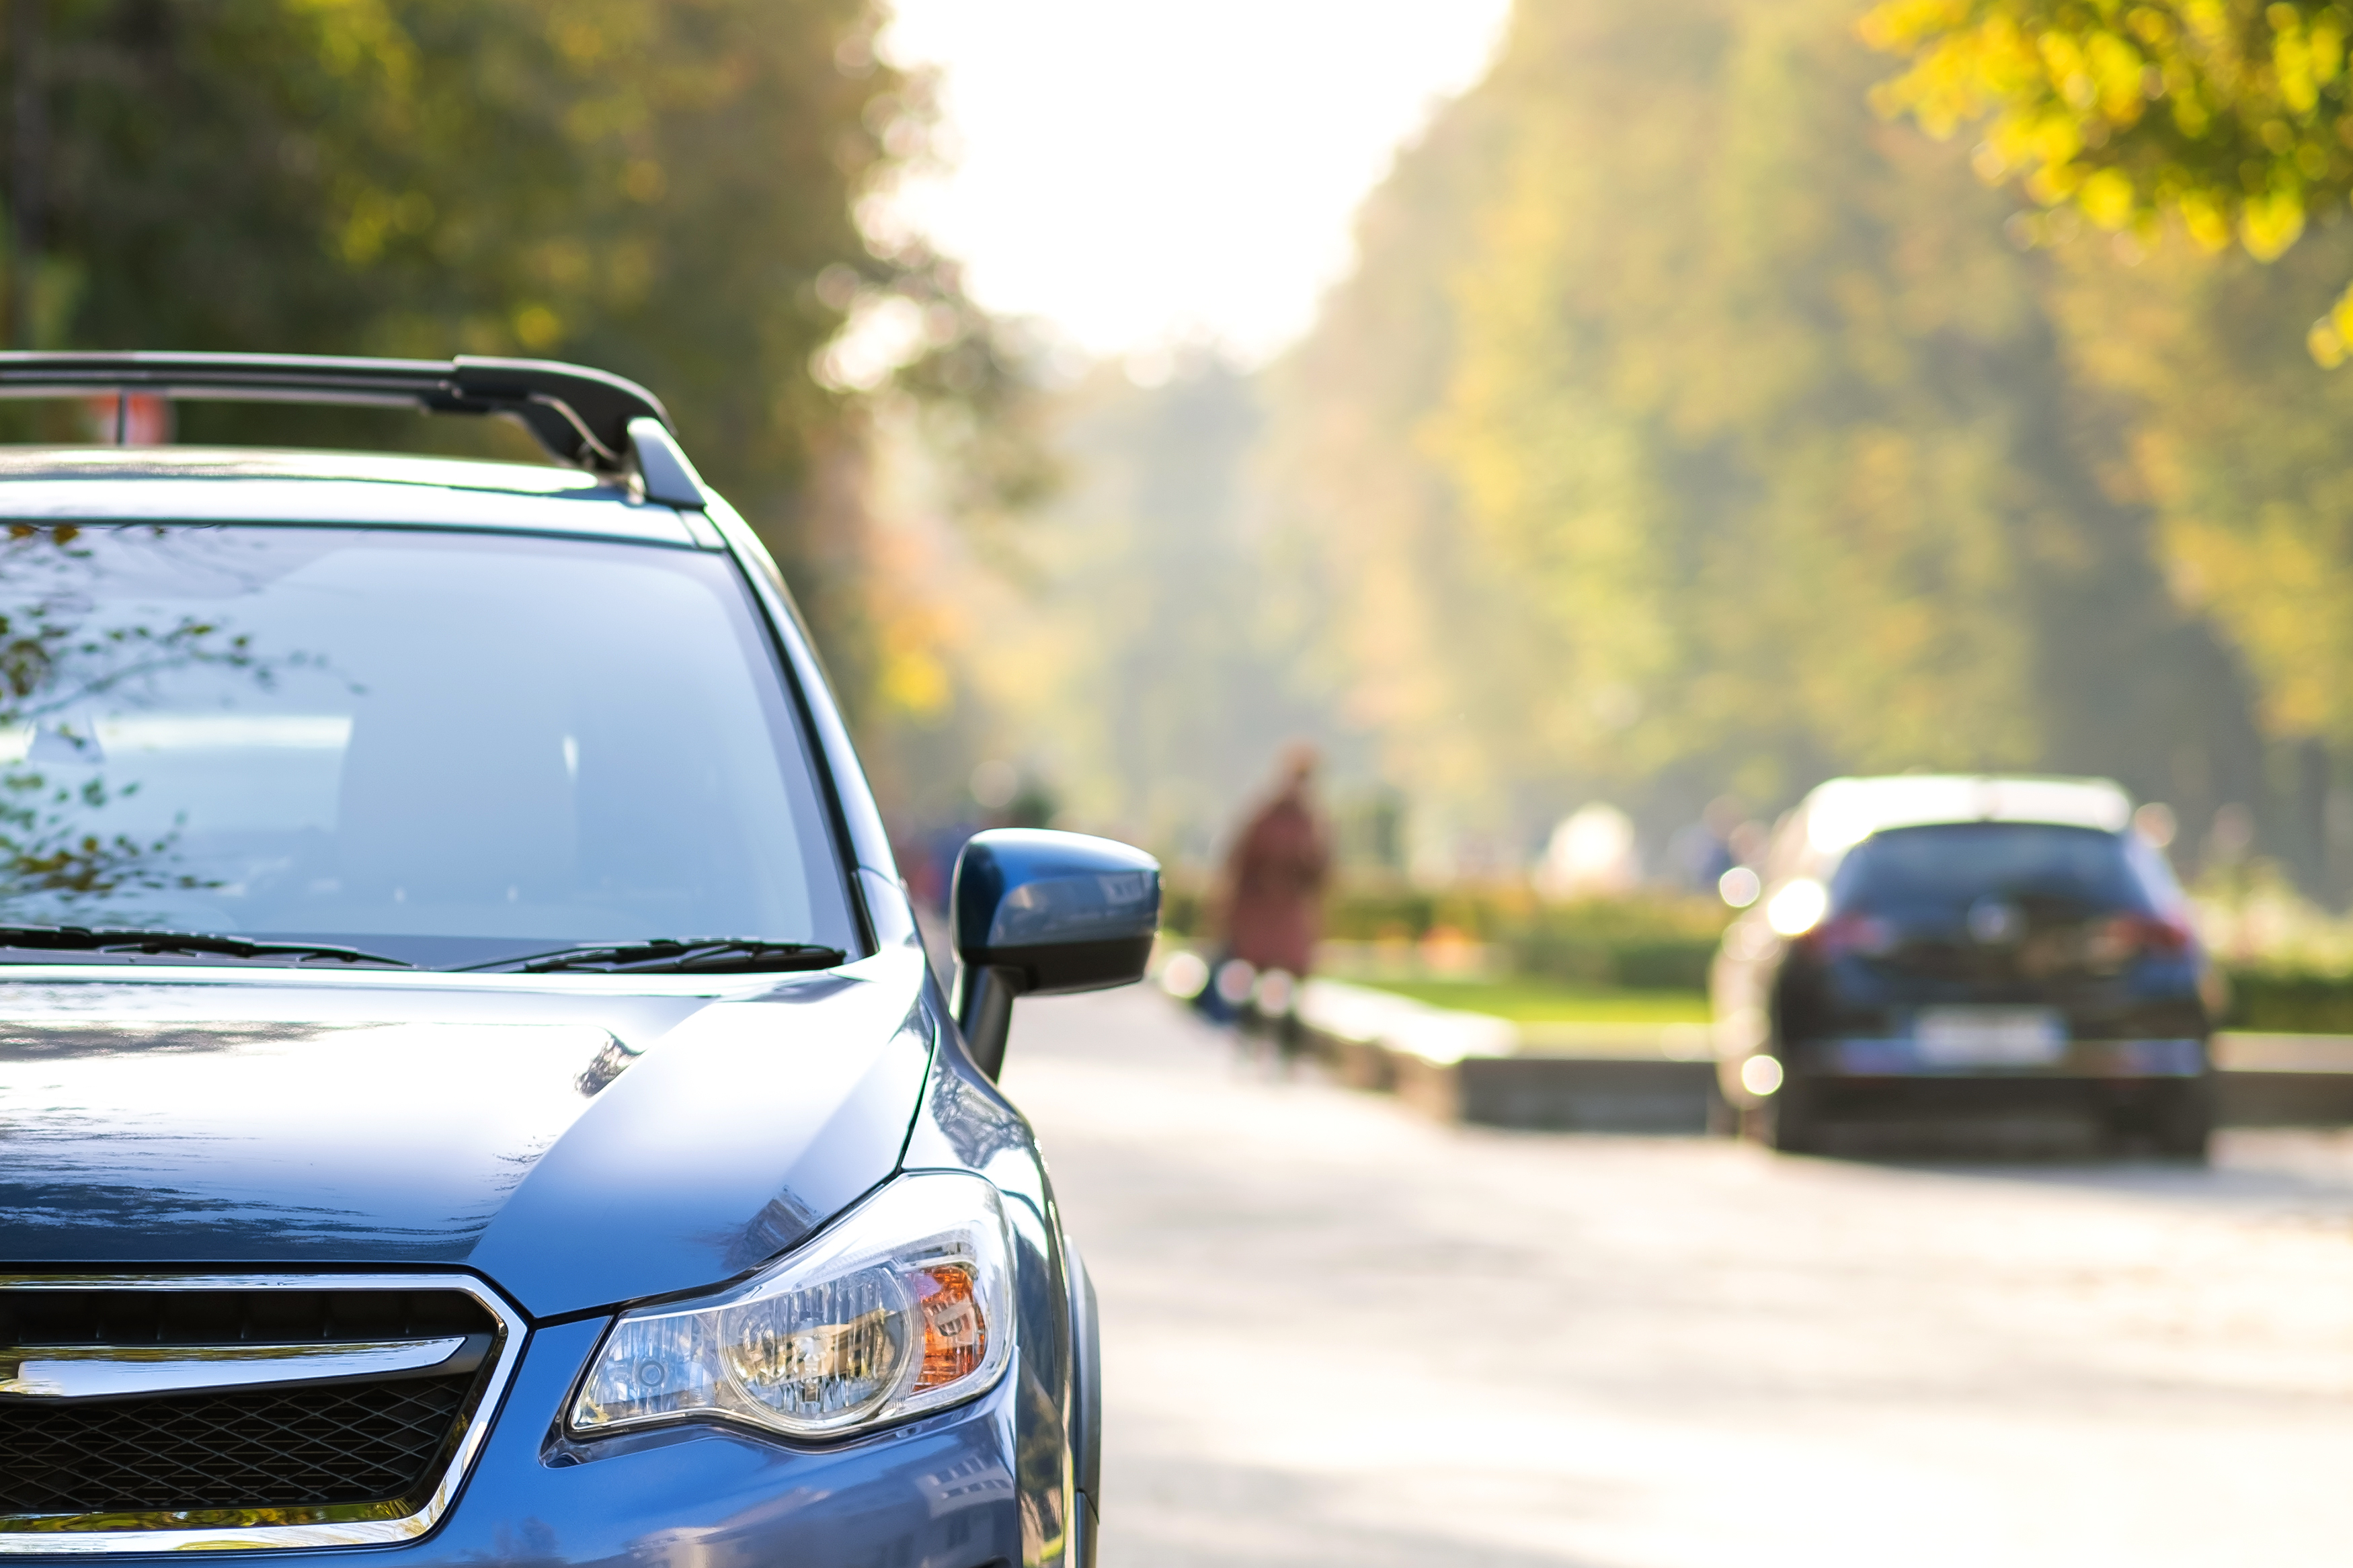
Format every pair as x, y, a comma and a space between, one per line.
1276, 872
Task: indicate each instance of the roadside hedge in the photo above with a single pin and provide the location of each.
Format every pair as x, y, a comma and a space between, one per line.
2289, 1001
1643, 941
1664, 942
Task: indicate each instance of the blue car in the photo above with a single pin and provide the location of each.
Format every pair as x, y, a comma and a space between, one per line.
471, 1086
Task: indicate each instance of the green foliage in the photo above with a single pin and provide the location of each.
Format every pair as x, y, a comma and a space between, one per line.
2235, 442
1688, 427
1386, 910
2237, 120
2290, 1002
2231, 116
1184, 907
1136, 637
1646, 942
665, 190
2235, 117
1657, 942
1538, 1001
55, 659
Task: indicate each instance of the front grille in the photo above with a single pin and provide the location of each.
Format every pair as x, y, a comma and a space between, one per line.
199, 1317
298, 1448
374, 1447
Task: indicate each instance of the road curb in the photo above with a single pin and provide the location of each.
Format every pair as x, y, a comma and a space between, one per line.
1471, 1067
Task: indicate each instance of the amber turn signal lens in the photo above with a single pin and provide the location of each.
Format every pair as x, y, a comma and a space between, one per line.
955, 1331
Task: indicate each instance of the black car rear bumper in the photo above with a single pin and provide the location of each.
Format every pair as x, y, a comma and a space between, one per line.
2041, 1112
1903, 1057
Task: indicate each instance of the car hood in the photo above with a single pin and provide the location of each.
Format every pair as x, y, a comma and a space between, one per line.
577, 1142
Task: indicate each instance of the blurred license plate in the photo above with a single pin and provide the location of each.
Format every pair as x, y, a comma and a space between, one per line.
1989, 1037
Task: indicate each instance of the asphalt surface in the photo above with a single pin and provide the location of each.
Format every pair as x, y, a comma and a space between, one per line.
1338, 1334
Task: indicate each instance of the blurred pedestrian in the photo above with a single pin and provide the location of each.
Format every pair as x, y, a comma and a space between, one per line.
1274, 889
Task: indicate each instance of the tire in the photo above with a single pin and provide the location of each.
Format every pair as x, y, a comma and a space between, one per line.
1790, 1128
1783, 1121
2181, 1123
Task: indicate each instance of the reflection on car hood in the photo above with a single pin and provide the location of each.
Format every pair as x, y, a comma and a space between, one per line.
579, 1145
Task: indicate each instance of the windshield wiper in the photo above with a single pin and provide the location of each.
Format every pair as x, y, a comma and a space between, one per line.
664, 955
114, 938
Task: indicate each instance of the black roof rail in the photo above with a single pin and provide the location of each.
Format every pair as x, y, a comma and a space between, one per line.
581, 415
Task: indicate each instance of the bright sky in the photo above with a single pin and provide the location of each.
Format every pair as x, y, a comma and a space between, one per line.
1143, 173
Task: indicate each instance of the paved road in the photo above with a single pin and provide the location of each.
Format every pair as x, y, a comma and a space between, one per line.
1336, 1334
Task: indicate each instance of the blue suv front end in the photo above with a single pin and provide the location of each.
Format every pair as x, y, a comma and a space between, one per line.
473, 1086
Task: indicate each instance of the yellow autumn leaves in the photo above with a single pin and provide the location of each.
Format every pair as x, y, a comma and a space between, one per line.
2233, 119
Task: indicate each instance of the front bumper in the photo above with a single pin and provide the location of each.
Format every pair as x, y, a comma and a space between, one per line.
936, 1493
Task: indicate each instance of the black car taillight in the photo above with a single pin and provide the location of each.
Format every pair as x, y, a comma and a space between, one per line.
1848, 933
2123, 937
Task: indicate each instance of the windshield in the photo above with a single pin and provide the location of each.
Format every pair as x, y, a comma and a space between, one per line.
1951, 866
441, 747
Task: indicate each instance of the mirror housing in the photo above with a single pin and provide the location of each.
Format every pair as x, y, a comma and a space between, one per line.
1036, 913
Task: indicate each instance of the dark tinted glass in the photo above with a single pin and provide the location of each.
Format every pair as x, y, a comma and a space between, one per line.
1957, 864
442, 747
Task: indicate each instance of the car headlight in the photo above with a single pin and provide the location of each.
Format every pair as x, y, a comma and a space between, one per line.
903, 1305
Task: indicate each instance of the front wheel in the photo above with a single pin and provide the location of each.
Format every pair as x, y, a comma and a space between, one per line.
2182, 1124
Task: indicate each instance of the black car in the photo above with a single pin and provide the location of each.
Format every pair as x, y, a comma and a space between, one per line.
1995, 956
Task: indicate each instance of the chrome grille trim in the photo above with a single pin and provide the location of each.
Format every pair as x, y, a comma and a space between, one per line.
120, 1372
56, 1537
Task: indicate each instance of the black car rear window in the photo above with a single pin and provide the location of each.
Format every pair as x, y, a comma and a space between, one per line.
1956, 864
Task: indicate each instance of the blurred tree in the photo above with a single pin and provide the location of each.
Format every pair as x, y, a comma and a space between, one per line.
1686, 426
2235, 440
2182, 126
1142, 645
1797, 380
1168, 661
1426, 638
669, 190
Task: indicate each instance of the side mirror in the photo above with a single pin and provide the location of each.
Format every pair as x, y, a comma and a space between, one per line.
1035, 914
